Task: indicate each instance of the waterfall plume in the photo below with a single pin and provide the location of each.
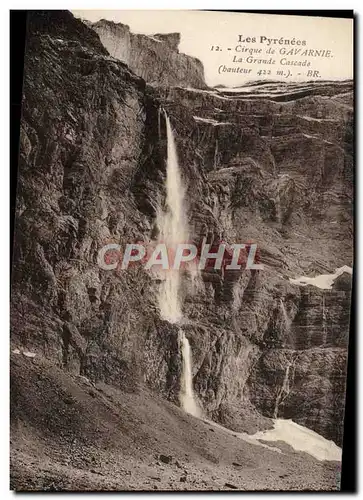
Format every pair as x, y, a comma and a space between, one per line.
284, 390
284, 313
173, 229
186, 396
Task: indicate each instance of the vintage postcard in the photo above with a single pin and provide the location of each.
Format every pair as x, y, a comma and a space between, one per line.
183, 252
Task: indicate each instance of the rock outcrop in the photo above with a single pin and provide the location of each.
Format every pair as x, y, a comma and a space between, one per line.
274, 167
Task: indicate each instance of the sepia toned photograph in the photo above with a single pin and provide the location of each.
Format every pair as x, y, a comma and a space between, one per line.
182, 261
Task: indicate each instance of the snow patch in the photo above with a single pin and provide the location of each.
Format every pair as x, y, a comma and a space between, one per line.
312, 119
16, 351
323, 281
308, 136
301, 439
153, 38
29, 354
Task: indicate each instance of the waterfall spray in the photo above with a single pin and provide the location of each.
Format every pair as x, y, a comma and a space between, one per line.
287, 384
284, 314
173, 229
186, 396
284, 390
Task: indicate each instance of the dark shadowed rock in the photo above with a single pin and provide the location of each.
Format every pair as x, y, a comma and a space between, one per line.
166, 459
232, 486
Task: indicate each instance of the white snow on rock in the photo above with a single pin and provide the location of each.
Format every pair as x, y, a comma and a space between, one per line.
16, 351
210, 121
308, 136
312, 119
242, 435
301, 439
153, 38
323, 281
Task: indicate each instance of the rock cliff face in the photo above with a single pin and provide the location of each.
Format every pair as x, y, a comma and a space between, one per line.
301, 375
273, 165
155, 58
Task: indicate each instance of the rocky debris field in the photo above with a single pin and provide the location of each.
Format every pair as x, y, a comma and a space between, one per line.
71, 434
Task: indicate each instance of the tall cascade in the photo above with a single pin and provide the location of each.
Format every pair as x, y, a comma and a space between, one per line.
186, 396
325, 330
173, 229
284, 390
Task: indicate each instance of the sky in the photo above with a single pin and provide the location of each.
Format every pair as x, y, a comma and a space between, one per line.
200, 30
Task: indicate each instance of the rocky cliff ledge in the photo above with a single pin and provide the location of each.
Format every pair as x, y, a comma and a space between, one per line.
156, 58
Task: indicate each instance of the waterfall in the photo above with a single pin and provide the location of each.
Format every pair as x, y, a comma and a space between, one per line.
284, 390
325, 331
173, 229
284, 314
186, 396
